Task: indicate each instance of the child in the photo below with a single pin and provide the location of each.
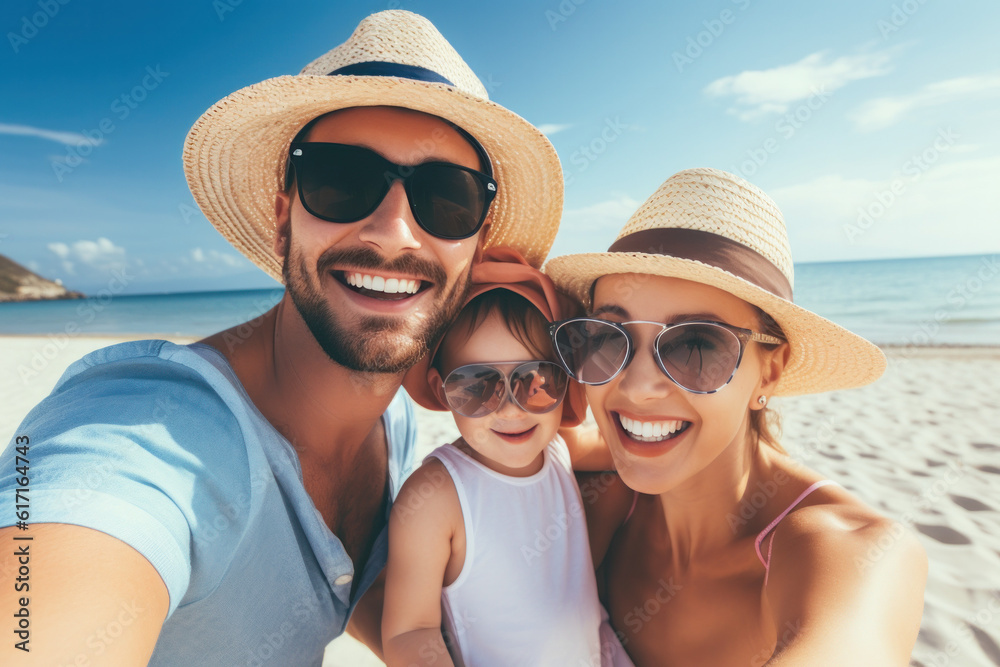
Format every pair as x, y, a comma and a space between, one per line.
491, 528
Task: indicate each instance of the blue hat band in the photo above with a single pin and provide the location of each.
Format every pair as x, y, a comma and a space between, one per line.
376, 68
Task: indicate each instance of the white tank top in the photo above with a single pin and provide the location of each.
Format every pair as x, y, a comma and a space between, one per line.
526, 594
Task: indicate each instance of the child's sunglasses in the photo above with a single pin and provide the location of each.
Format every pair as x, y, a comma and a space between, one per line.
343, 183
477, 390
700, 357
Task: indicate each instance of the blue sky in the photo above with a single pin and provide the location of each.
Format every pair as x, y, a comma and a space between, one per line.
873, 124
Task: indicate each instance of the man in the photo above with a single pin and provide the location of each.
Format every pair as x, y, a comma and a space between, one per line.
243, 483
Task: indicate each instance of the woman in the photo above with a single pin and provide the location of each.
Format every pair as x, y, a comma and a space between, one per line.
729, 552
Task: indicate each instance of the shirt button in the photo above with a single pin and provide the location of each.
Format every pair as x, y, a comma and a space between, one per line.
343, 580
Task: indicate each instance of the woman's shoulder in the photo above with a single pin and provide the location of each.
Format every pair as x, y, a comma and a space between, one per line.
835, 530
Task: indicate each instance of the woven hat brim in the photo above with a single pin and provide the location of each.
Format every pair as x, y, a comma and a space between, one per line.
234, 156
824, 356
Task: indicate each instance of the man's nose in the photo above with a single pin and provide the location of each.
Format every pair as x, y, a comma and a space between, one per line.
392, 228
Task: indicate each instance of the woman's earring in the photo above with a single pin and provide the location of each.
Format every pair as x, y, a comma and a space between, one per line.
762, 401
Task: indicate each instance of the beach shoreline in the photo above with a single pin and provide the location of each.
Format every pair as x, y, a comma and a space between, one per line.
921, 445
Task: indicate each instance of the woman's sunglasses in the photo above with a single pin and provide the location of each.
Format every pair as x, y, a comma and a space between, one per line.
477, 390
342, 183
700, 357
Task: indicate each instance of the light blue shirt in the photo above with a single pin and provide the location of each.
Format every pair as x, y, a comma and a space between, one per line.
158, 445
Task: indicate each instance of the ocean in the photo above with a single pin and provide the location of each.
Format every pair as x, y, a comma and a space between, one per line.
922, 301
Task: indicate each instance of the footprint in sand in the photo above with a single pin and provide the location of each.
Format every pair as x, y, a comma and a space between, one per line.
970, 504
943, 534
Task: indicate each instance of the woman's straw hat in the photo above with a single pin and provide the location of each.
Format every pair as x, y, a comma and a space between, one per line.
235, 154
712, 227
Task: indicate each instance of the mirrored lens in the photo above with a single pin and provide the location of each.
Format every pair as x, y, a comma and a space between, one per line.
341, 183
699, 357
448, 201
538, 387
474, 391
593, 351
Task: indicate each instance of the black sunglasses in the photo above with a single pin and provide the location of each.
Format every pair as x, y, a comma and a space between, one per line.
700, 357
343, 183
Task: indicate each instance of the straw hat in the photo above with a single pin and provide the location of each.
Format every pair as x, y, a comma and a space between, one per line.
712, 227
505, 268
235, 154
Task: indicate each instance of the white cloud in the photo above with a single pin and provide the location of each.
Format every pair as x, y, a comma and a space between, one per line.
215, 257
99, 255
948, 209
548, 129
68, 138
771, 91
884, 111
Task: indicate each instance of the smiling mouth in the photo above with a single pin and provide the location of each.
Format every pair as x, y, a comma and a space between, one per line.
376, 286
652, 431
516, 437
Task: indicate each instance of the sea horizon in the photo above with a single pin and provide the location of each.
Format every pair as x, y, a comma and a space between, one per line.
946, 300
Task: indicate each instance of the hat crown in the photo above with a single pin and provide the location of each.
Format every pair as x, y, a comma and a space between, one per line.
715, 201
404, 38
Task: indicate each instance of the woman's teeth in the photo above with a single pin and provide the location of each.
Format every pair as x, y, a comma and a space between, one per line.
381, 284
650, 431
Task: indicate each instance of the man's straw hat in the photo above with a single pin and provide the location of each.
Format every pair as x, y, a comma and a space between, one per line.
235, 154
712, 227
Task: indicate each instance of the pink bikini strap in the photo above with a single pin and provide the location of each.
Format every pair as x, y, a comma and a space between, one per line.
635, 499
777, 520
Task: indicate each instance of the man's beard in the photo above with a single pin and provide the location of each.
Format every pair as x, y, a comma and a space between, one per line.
374, 344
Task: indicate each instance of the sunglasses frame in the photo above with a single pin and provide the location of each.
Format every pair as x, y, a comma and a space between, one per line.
743, 337
392, 172
508, 393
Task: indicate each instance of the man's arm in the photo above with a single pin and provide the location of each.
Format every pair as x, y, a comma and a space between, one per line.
91, 599
845, 591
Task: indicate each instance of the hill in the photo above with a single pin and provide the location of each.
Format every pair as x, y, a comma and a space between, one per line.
19, 284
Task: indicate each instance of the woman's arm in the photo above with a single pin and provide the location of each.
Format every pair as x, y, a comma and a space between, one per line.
844, 590
587, 449
421, 527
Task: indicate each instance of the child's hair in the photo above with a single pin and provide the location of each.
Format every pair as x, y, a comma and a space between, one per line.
523, 320
765, 425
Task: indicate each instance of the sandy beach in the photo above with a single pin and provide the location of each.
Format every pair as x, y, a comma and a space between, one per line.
922, 445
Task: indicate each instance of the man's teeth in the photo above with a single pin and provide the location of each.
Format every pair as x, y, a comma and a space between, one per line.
650, 431
380, 284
